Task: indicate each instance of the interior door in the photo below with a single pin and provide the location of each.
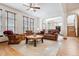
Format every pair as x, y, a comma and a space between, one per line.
71, 31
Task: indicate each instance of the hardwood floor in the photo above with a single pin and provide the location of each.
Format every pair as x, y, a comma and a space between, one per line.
70, 47
6, 50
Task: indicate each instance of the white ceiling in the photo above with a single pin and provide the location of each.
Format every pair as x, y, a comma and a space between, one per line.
71, 6
47, 10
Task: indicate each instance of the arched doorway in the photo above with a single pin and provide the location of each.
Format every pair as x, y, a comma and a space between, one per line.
71, 26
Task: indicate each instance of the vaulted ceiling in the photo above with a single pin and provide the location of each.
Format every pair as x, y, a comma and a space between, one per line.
71, 6
47, 10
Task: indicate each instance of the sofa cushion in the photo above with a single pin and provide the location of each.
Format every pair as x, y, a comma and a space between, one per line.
8, 32
53, 31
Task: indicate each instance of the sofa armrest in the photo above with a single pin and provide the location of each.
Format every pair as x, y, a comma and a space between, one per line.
21, 36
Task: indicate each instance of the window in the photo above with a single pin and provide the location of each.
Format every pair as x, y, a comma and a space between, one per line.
71, 20
28, 24
25, 23
32, 24
0, 21
10, 21
43, 24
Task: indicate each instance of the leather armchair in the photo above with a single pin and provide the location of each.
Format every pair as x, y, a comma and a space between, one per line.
13, 38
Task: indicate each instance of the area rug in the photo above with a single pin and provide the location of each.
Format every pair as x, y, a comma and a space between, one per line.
48, 48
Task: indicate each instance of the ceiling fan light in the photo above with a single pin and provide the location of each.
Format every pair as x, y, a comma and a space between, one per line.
31, 8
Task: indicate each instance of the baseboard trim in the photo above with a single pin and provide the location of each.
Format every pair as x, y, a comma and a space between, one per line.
3, 41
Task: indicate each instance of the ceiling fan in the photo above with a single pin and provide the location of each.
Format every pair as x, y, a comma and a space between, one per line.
31, 6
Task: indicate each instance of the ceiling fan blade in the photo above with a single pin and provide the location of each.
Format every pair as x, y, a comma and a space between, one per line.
31, 6
28, 9
36, 7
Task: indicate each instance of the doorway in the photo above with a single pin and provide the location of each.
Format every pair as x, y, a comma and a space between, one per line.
71, 26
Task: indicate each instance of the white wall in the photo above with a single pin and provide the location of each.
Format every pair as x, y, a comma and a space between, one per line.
18, 21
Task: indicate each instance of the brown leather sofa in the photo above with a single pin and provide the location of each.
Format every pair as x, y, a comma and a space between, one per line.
51, 35
41, 32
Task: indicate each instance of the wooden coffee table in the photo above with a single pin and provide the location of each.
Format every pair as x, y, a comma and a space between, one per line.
34, 38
